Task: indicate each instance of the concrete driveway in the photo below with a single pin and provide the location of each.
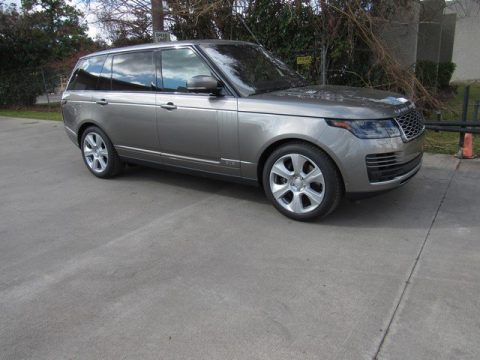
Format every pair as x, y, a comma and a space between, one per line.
157, 265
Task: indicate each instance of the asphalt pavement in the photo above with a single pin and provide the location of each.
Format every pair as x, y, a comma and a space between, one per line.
159, 265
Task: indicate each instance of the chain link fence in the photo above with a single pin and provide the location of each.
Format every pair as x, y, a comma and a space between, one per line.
41, 85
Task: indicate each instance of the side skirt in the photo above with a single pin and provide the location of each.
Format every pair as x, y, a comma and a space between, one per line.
194, 172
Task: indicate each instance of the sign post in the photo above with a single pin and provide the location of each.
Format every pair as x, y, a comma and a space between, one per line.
161, 36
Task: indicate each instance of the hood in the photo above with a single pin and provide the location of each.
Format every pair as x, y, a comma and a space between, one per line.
340, 102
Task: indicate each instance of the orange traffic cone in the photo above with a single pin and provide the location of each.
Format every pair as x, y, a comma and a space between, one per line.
468, 147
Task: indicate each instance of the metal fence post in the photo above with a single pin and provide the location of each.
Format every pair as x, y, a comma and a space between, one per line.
439, 117
324, 63
466, 96
476, 107
45, 88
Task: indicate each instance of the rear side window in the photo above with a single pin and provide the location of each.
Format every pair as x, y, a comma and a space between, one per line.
104, 82
133, 72
87, 73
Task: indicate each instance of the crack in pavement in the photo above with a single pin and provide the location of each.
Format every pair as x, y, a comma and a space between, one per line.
415, 263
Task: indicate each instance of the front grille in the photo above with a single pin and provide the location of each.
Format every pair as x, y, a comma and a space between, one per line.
411, 124
385, 166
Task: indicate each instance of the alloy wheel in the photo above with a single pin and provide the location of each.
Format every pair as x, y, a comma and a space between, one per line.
297, 183
95, 152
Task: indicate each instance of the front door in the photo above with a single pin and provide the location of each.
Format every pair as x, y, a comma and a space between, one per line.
195, 130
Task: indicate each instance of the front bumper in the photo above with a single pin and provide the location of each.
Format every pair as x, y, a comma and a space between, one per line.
379, 164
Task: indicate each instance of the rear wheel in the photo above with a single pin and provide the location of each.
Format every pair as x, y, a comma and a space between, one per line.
99, 154
302, 182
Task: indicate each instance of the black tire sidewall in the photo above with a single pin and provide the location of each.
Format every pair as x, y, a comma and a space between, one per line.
332, 189
110, 170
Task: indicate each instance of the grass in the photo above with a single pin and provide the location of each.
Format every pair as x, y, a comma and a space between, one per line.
446, 142
455, 105
41, 112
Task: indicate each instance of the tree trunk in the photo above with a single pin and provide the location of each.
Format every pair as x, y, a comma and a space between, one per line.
298, 5
157, 15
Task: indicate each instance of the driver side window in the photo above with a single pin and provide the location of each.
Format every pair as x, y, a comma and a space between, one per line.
180, 65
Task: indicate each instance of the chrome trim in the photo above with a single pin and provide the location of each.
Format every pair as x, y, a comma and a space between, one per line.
131, 104
399, 179
167, 155
71, 131
230, 162
78, 101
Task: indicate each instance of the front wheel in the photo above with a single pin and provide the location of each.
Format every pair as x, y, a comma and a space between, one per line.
99, 154
302, 182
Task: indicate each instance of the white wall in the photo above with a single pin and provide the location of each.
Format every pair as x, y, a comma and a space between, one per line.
466, 46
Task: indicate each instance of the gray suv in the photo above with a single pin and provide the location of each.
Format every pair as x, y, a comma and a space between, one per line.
231, 109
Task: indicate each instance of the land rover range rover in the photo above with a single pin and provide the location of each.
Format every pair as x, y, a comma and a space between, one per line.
232, 109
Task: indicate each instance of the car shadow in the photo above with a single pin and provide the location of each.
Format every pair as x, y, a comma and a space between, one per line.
196, 182
411, 206
408, 206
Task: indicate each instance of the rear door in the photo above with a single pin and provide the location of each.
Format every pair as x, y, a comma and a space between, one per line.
195, 130
125, 102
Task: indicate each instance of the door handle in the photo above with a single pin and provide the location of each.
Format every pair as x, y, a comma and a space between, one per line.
169, 106
102, 102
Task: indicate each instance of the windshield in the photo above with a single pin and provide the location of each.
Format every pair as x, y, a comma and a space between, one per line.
252, 69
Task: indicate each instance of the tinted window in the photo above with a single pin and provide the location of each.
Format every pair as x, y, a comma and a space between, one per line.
104, 82
178, 66
87, 73
133, 72
252, 69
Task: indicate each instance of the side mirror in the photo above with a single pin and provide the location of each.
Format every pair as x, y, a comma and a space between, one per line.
204, 84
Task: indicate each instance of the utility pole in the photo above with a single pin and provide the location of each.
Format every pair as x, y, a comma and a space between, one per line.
157, 15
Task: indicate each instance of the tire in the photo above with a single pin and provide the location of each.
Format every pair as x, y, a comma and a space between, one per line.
302, 182
98, 153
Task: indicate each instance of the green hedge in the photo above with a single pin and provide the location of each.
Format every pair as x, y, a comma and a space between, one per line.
445, 72
433, 75
20, 88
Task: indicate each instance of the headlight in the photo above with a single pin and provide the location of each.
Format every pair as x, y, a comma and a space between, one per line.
368, 129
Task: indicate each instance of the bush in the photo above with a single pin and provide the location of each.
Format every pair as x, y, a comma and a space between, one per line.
445, 72
19, 88
427, 73
433, 75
